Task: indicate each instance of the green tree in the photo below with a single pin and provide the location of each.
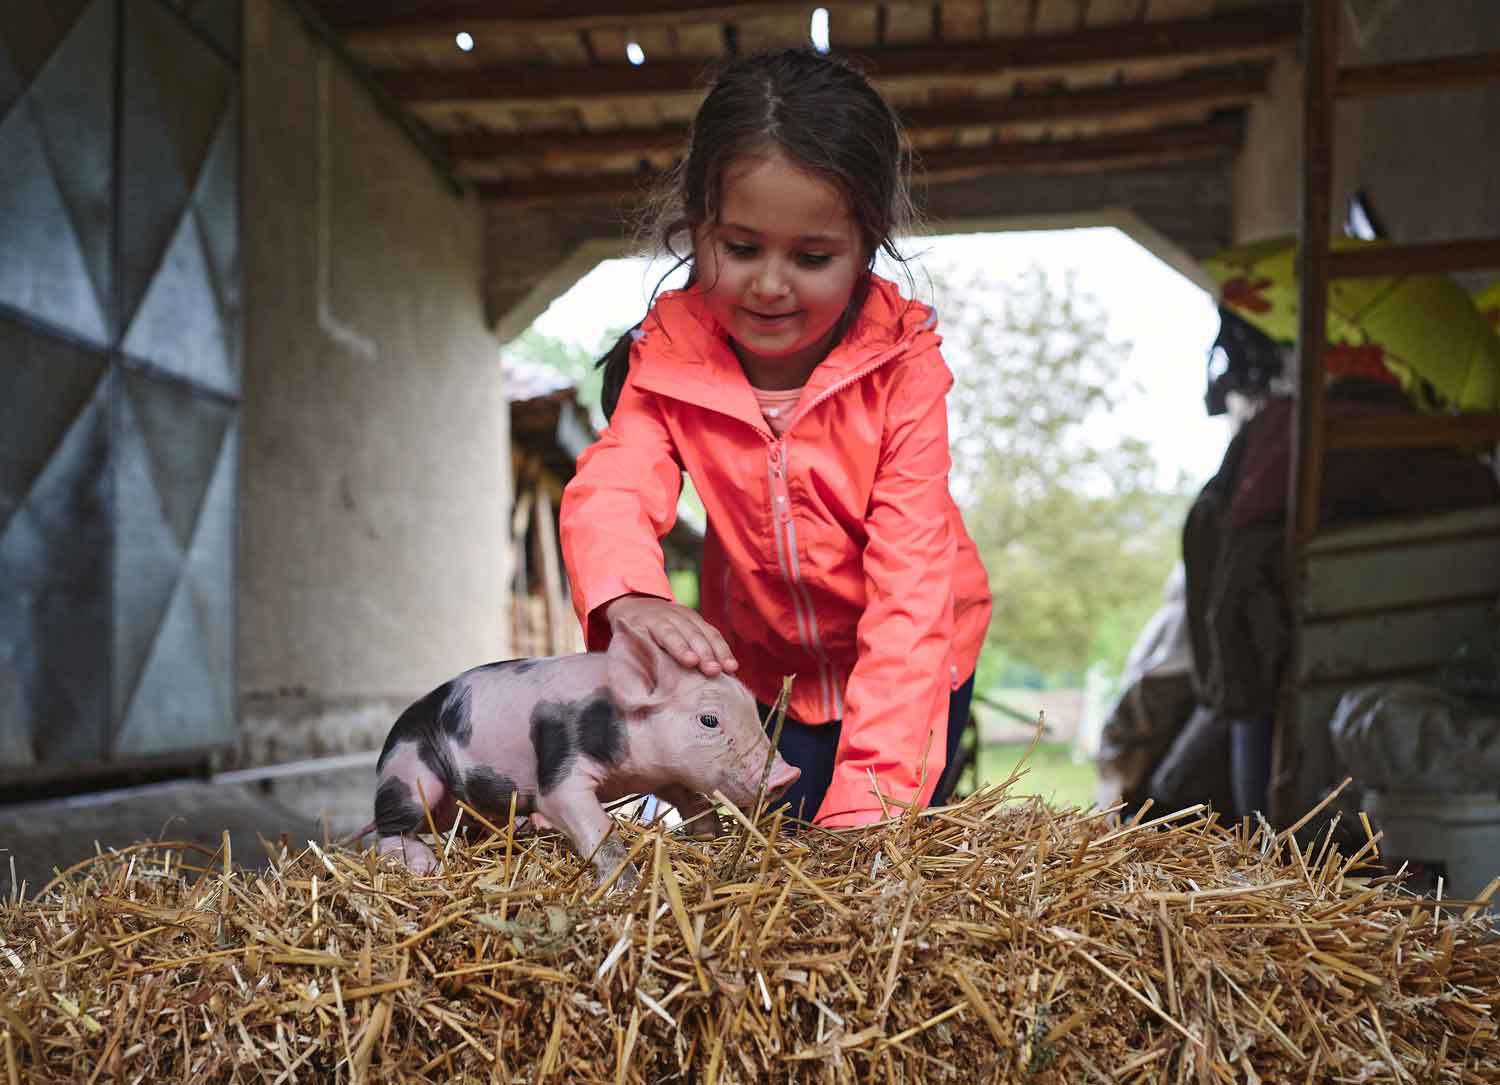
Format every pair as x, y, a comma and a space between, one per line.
571, 360
1075, 532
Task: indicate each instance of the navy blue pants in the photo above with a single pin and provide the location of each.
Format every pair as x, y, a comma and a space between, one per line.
811, 747
1250, 764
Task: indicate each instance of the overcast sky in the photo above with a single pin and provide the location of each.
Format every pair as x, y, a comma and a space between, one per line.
1169, 321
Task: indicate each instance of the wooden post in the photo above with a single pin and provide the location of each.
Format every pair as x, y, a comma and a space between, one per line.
559, 614
1320, 71
1304, 483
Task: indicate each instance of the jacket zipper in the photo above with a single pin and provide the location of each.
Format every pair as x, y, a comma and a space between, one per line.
785, 530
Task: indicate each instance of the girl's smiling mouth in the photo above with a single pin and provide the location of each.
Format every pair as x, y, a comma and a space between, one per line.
769, 318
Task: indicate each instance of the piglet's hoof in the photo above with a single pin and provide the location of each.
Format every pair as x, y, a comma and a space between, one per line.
416, 856
707, 826
629, 878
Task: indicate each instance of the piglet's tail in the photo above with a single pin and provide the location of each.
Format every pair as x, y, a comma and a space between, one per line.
616, 365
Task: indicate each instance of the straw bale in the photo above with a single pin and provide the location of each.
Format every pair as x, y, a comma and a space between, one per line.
995, 940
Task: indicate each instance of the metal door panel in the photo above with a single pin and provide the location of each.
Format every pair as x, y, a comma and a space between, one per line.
28, 35
167, 132
174, 588
119, 230
54, 550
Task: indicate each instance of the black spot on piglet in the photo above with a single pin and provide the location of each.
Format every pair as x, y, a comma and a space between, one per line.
561, 729
552, 739
489, 792
601, 730
396, 811
443, 711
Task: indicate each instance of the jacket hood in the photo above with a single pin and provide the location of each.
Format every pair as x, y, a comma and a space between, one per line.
680, 345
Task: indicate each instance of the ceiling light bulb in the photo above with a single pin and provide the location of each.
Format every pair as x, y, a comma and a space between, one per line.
818, 31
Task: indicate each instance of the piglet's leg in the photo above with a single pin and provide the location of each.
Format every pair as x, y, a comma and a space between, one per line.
690, 805
417, 856
587, 825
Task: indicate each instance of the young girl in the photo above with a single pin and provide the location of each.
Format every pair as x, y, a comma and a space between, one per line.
804, 396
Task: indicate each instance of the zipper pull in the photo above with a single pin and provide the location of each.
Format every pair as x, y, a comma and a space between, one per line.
780, 496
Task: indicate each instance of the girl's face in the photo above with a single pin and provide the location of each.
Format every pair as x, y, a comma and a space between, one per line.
778, 267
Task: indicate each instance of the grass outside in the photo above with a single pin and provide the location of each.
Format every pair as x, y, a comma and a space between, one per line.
1050, 772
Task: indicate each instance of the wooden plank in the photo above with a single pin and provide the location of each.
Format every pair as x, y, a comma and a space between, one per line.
1402, 576
1201, 39
907, 22
563, 48
1409, 531
1469, 429
1164, 147
1352, 648
1007, 18
1436, 73
975, 117
961, 20
378, 20
1058, 16
1306, 468
559, 614
764, 32
1290, 757
1157, 10
1433, 257
699, 40
1114, 12
853, 29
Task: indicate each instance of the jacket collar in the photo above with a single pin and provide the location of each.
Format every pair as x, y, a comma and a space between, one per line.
682, 352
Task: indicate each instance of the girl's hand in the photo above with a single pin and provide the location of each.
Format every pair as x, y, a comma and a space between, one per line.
682, 633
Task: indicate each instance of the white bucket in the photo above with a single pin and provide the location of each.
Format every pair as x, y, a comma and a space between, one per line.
1455, 835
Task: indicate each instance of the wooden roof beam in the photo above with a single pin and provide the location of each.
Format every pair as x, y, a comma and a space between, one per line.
1155, 148
1245, 34
1210, 89
379, 21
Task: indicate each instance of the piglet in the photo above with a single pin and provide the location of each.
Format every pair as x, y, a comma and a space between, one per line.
565, 735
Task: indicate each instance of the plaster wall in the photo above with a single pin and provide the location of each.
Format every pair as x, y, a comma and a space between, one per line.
1429, 163
375, 463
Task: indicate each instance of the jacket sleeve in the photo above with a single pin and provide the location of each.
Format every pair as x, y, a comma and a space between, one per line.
621, 501
896, 701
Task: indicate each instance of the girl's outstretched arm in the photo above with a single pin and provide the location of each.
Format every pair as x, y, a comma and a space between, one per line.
896, 701
619, 504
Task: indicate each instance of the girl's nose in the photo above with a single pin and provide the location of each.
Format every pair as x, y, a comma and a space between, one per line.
769, 282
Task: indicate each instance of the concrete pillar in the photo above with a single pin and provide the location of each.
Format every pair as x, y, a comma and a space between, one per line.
375, 479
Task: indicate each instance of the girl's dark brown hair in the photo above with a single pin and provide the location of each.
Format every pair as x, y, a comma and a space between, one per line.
825, 117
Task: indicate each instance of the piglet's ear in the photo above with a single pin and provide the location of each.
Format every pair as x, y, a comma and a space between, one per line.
640, 671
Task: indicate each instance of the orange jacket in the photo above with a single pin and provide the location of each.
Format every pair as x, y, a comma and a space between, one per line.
835, 553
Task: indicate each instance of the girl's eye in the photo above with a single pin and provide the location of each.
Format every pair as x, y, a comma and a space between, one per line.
739, 252
814, 259
709, 720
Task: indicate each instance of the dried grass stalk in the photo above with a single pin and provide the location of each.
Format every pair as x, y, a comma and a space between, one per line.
994, 940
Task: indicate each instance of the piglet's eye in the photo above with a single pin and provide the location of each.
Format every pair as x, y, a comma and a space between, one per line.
709, 720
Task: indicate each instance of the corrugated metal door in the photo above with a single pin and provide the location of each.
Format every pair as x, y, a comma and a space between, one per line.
120, 336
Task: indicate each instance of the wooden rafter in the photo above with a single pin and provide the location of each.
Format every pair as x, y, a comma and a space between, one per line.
1143, 102
403, 20
1235, 35
1158, 147
1403, 77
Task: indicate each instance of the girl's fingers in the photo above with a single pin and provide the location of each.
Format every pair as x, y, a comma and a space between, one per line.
696, 639
719, 651
701, 649
683, 635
